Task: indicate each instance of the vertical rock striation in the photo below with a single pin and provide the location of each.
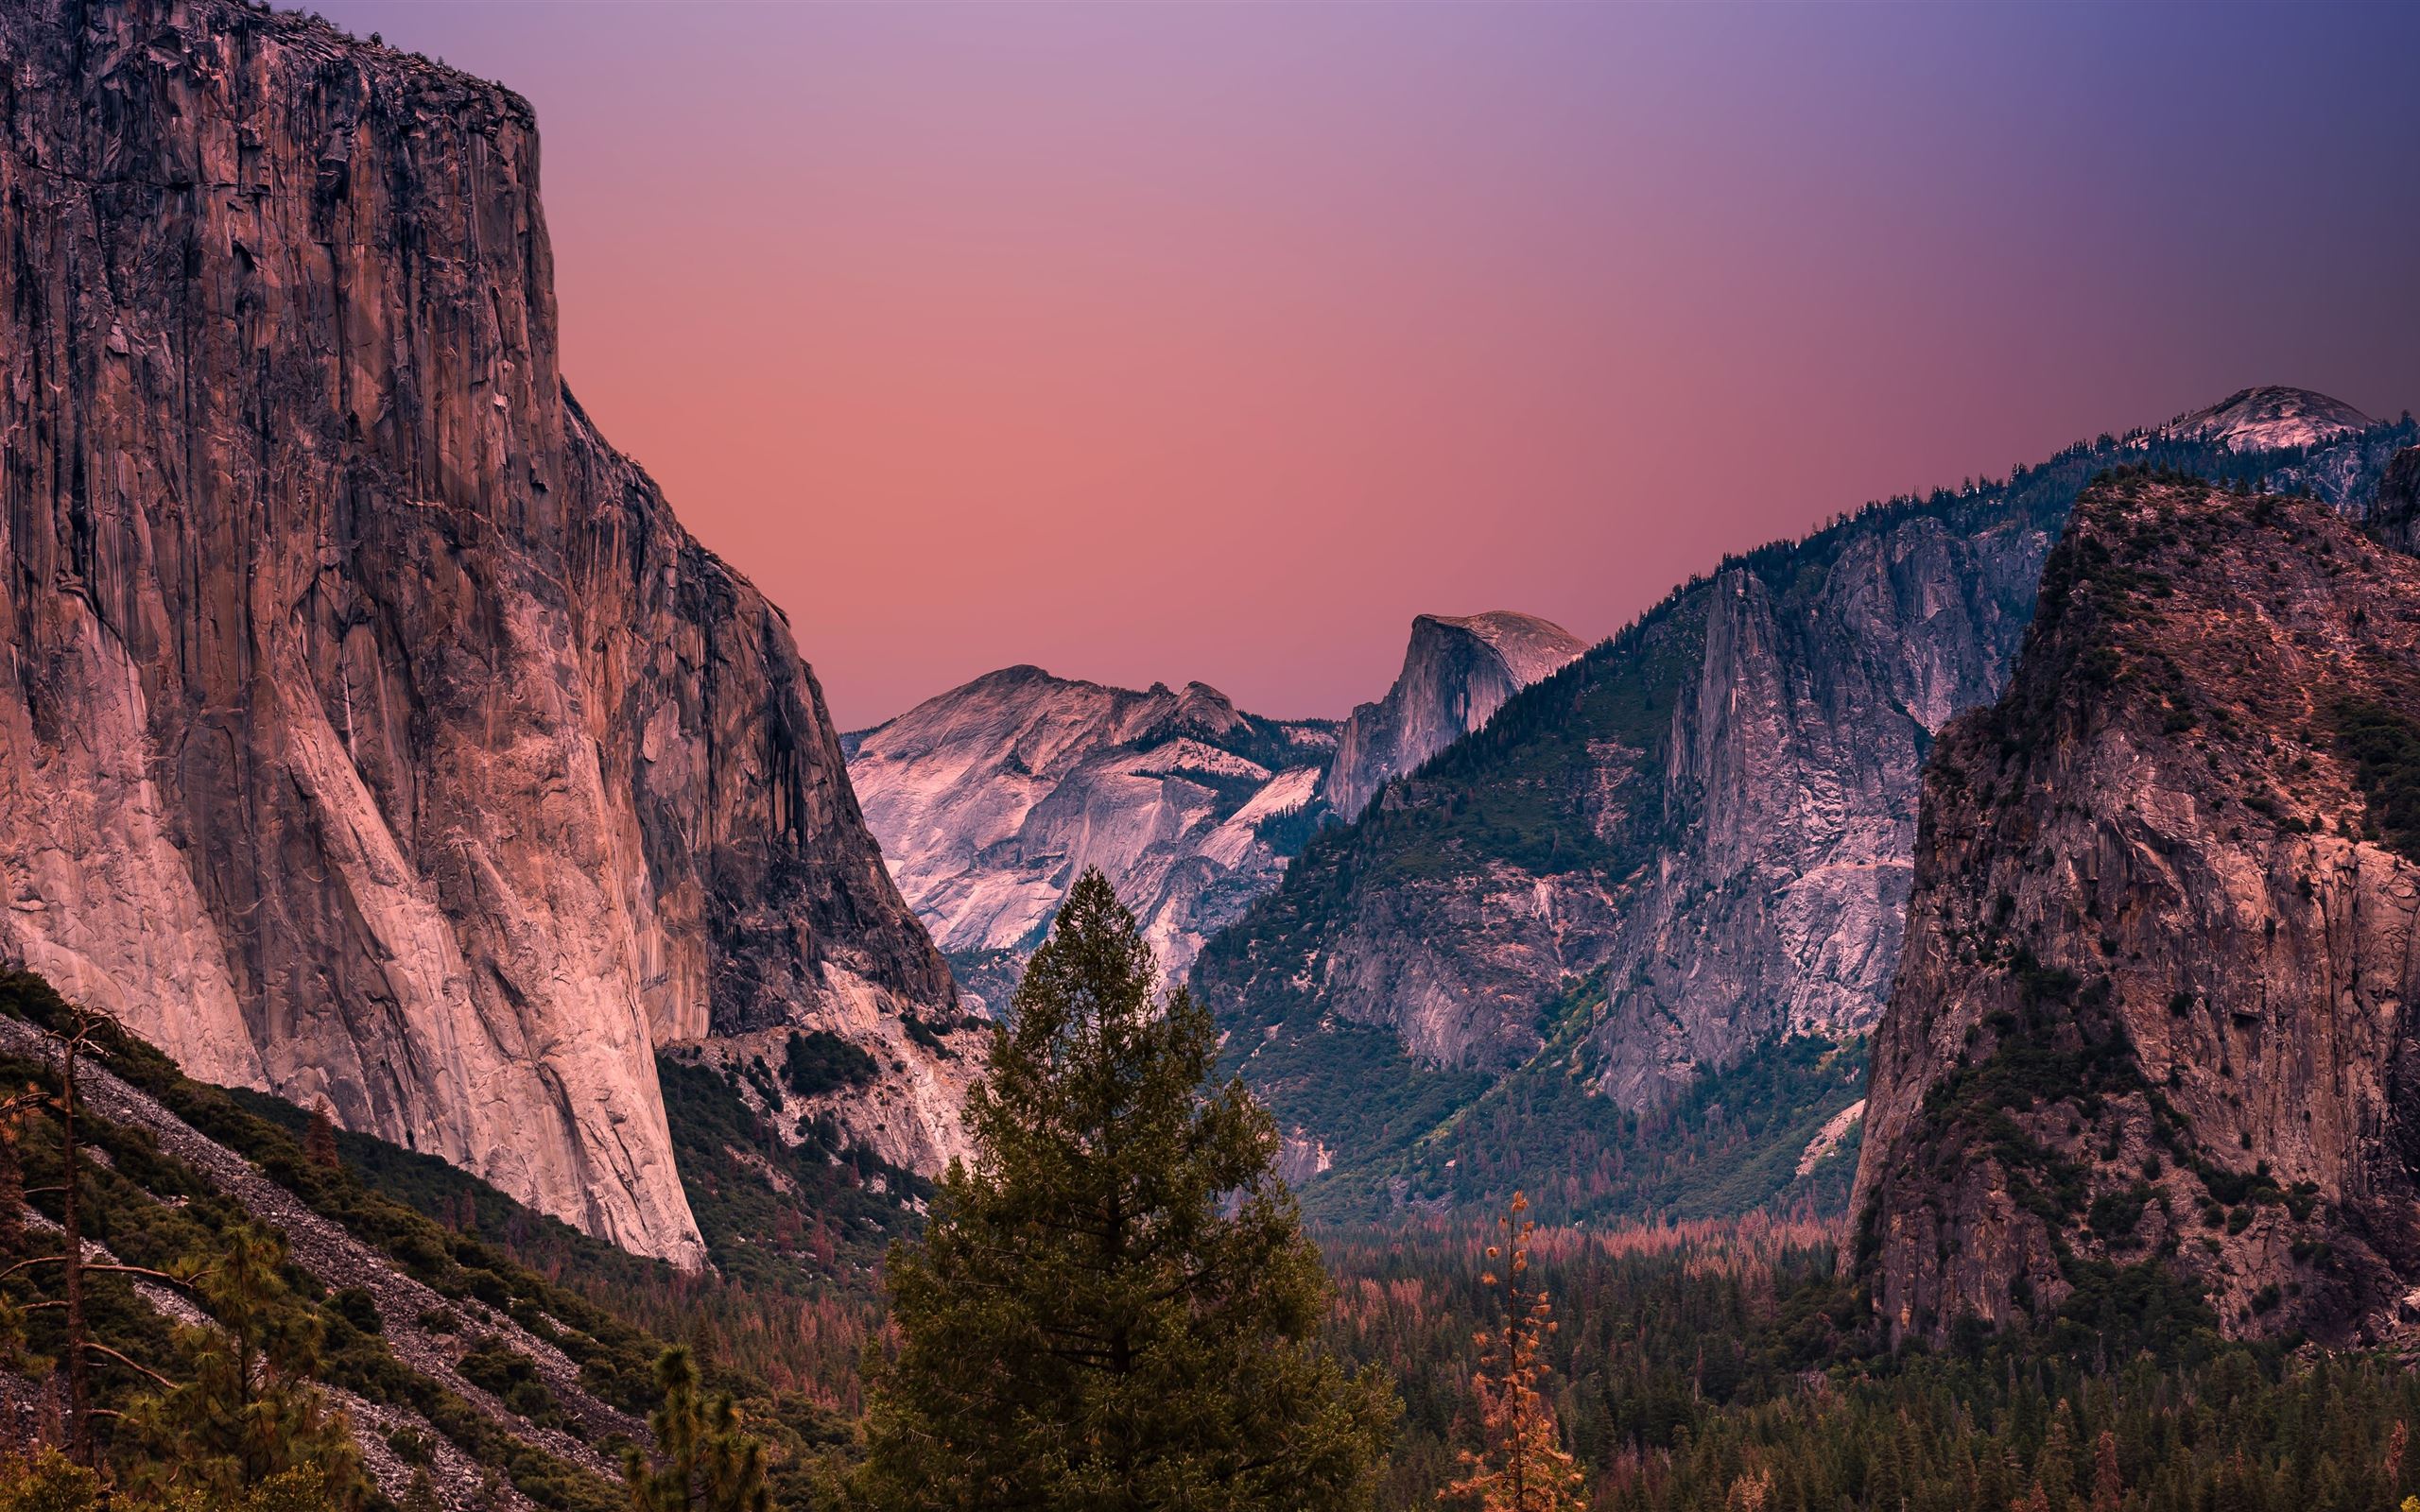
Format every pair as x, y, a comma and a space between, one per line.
1717, 808
2394, 518
2156, 1006
369, 729
1456, 672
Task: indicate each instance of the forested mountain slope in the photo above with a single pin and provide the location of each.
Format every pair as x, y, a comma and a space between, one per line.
1686, 854
462, 1334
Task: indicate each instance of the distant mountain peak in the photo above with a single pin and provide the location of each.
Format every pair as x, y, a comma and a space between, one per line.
2269, 417
1456, 671
990, 798
1530, 647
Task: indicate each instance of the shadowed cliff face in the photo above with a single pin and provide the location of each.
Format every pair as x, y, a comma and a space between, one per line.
2161, 957
370, 729
2394, 518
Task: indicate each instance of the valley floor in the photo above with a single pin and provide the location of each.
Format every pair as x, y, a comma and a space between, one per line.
1725, 1367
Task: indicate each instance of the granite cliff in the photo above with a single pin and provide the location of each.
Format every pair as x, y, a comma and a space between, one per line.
988, 799
1456, 672
370, 729
1677, 857
2156, 1011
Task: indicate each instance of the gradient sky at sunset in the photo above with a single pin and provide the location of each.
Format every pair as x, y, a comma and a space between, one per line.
1148, 341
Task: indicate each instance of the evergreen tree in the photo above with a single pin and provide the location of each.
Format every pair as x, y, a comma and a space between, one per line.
2108, 1484
708, 1464
1523, 1466
320, 1140
421, 1495
2054, 1468
250, 1423
1114, 1307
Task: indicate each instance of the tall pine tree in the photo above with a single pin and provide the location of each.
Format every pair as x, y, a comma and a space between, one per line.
708, 1463
1113, 1307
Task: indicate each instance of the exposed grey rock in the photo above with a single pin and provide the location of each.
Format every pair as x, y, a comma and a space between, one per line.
1739, 788
1456, 674
1710, 818
370, 729
2271, 418
992, 799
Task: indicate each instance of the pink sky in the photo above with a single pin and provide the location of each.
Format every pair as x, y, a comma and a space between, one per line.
1165, 342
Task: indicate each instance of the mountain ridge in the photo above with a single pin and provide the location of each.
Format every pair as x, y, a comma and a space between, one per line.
1693, 842
991, 798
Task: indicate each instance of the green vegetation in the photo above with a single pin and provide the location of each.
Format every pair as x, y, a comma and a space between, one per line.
1545, 787
776, 1214
1729, 1143
821, 1061
2384, 747
210, 1415
705, 1461
465, 1241
1718, 1367
1114, 1306
1366, 1094
247, 1414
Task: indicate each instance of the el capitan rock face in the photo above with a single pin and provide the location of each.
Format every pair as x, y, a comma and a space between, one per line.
369, 729
1456, 672
992, 799
2157, 999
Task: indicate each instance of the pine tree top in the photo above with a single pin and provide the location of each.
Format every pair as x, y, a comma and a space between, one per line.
1114, 1304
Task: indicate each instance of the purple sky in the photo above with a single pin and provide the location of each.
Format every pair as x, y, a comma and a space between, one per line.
1216, 341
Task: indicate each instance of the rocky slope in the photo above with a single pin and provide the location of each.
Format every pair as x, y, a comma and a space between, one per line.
1672, 856
2271, 419
2394, 518
412, 1373
992, 799
370, 729
1456, 674
2156, 1008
